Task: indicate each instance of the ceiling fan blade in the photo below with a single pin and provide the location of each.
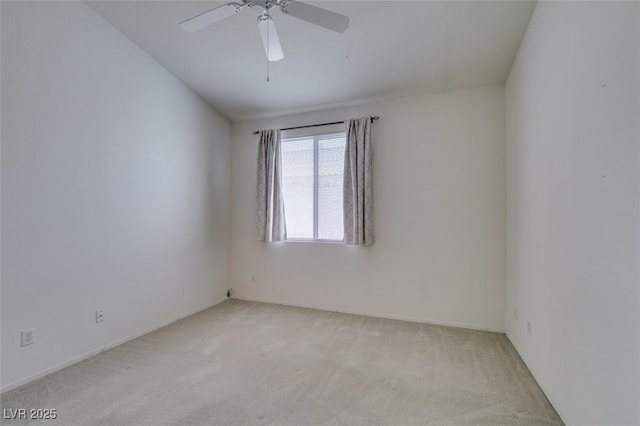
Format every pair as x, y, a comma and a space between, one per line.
270, 39
316, 15
209, 17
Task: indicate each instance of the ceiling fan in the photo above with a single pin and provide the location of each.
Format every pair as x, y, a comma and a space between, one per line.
315, 15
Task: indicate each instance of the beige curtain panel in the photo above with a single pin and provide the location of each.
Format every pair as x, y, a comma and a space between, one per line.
271, 222
357, 191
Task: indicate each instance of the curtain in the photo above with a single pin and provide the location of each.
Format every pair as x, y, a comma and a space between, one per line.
271, 222
357, 190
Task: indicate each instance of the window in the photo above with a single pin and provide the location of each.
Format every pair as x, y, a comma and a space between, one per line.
312, 179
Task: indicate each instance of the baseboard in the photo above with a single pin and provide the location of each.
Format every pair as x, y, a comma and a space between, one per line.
60, 366
86, 355
540, 384
373, 314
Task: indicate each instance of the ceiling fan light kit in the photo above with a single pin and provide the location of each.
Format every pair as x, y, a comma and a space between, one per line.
271, 43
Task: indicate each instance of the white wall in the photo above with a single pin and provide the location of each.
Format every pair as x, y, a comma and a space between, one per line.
115, 189
439, 211
573, 200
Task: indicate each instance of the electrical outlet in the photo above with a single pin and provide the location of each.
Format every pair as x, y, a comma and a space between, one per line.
27, 336
99, 315
529, 328
253, 278
515, 314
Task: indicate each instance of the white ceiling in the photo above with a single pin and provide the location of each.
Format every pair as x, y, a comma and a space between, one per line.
391, 48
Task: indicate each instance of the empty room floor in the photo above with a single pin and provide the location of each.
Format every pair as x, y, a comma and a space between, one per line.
242, 363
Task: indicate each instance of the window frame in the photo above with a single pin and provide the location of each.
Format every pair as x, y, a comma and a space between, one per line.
326, 133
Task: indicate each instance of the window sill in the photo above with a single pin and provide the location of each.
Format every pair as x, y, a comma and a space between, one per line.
301, 240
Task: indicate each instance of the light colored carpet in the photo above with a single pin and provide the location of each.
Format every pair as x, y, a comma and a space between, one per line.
243, 363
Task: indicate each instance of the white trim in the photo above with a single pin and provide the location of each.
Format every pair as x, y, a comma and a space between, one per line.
112, 345
374, 314
308, 240
315, 186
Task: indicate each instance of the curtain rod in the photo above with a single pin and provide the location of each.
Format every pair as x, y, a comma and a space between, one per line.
318, 125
